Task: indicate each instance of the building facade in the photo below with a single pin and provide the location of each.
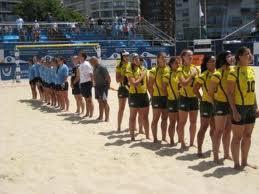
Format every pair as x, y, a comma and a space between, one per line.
81, 6
212, 18
109, 9
160, 13
6, 10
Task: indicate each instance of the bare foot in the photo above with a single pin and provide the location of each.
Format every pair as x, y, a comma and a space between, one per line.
237, 167
192, 145
249, 165
99, 119
106, 120
200, 155
155, 140
119, 129
141, 132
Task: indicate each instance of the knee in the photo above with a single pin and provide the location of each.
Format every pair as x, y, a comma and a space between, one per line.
236, 139
247, 136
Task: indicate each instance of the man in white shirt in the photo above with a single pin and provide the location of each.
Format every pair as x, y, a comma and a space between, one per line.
86, 83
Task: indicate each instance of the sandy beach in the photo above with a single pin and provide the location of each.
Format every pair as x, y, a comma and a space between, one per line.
43, 151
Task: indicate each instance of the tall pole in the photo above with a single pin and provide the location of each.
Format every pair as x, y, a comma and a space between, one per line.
205, 15
199, 17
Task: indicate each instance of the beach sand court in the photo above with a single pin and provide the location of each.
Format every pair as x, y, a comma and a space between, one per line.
43, 151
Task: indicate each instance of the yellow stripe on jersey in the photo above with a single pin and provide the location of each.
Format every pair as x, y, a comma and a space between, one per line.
244, 76
185, 71
220, 78
204, 80
136, 73
171, 80
157, 73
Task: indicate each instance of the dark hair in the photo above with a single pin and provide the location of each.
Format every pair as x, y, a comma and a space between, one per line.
205, 61
62, 59
240, 52
171, 60
121, 57
30, 61
83, 54
141, 58
221, 59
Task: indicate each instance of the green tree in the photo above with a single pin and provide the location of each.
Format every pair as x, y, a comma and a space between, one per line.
30, 10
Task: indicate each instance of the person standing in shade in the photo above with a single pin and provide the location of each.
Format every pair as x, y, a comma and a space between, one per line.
75, 79
86, 83
102, 82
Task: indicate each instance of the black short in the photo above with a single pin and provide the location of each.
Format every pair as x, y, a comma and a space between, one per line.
159, 102
188, 103
52, 85
76, 89
206, 109
101, 93
248, 114
123, 92
32, 82
172, 106
86, 89
221, 108
138, 100
62, 87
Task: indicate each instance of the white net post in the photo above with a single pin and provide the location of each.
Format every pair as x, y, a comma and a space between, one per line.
17, 67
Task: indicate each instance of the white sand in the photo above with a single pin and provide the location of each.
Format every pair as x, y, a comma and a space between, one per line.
44, 152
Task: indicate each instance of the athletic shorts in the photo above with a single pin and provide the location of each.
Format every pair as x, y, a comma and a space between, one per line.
86, 89
138, 100
32, 82
248, 114
172, 106
159, 102
206, 109
221, 108
123, 92
188, 103
101, 93
76, 89
62, 87
52, 85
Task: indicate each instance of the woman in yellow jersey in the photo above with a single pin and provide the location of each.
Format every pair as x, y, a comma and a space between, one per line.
208, 67
242, 99
138, 97
188, 102
170, 87
123, 92
159, 99
217, 93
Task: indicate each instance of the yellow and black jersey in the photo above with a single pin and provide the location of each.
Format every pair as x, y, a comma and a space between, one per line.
172, 82
121, 69
204, 79
157, 73
185, 71
220, 78
136, 73
244, 76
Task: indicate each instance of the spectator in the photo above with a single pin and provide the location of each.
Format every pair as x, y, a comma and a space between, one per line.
49, 18
19, 23
91, 23
36, 31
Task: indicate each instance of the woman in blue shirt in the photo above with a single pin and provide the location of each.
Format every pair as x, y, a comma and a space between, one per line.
32, 77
